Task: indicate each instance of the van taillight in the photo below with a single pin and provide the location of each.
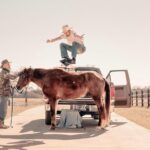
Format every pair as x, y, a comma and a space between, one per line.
112, 91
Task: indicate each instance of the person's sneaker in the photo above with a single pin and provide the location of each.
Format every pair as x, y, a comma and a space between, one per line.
3, 126
65, 60
73, 61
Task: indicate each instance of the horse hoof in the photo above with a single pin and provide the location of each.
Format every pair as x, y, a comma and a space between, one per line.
52, 128
102, 128
103, 125
99, 123
98, 128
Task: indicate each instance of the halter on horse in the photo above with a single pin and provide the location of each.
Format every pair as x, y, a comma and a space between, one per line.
58, 84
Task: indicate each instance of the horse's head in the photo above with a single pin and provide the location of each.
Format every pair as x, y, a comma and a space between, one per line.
24, 78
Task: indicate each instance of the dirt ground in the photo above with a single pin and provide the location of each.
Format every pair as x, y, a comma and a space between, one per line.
138, 115
20, 105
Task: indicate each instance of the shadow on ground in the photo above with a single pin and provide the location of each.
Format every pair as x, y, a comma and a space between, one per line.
38, 130
20, 145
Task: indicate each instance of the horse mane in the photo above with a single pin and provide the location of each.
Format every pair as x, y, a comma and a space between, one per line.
60, 74
39, 73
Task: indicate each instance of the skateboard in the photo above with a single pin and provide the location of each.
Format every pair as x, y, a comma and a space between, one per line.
65, 63
67, 66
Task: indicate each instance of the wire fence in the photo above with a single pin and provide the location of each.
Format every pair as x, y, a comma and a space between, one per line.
141, 97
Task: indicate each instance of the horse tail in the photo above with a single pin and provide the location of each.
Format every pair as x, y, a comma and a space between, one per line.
107, 97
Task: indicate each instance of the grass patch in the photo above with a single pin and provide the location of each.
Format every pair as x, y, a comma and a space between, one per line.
20, 105
138, 115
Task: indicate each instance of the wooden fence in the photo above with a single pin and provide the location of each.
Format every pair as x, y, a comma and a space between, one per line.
141, 97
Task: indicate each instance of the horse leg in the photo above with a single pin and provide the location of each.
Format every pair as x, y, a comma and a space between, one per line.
53, 110
103, 116
99, 111
102, 112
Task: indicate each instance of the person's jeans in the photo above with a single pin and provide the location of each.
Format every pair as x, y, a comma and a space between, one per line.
73, 49
3, 107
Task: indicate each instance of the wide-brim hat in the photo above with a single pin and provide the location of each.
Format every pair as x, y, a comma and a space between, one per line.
65, 28
5, 61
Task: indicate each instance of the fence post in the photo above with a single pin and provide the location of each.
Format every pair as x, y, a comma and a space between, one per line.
142, 98
132, 98
26, 97
136, 95
148, 92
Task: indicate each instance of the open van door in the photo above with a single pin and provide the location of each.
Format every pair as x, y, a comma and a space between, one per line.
121, 81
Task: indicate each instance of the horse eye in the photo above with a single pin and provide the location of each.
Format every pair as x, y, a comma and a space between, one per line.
23, 76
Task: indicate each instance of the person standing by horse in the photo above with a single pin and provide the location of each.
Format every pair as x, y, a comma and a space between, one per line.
75, 45
5, 90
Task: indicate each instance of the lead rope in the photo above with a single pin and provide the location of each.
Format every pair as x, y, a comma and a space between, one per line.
12, 103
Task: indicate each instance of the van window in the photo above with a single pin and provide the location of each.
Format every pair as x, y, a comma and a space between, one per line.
118, 78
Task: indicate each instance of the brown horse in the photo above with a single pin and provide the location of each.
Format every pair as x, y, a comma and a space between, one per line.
58, 84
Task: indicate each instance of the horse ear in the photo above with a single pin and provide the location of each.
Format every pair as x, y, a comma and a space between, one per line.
25, 69
30, 71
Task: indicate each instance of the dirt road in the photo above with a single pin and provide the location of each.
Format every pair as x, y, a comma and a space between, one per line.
30, 133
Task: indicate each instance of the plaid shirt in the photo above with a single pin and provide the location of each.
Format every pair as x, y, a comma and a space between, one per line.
5, 86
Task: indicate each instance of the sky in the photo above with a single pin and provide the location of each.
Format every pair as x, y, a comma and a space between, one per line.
117, 34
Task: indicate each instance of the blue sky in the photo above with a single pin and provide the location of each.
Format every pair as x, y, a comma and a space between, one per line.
117, 33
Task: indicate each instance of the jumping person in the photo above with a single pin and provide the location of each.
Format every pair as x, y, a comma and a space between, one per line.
5, 90
75, 45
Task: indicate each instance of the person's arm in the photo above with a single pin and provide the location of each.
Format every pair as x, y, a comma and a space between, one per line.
10, 76
55, 39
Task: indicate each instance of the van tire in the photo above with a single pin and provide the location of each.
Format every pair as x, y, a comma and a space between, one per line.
96, 117
47, 118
